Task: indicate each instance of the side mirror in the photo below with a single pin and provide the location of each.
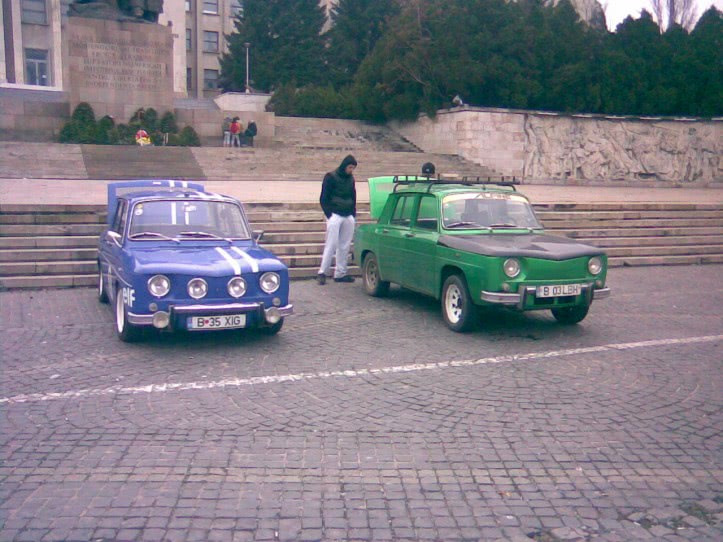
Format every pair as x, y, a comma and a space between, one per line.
115, 237
258, 235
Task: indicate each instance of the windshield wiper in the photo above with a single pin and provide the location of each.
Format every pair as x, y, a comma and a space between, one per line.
460, 224
151, 234
204, 234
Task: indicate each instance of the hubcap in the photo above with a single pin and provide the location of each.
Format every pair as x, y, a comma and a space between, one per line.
371, 274
453, 303
120, 315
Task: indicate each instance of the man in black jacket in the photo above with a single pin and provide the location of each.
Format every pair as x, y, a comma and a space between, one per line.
338, 201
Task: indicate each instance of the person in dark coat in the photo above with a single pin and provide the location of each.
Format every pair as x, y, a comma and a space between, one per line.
338, 201
250, 133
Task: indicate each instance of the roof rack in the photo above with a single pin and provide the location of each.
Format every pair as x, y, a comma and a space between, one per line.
451, 179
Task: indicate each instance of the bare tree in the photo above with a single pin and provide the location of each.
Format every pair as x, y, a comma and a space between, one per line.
670, 12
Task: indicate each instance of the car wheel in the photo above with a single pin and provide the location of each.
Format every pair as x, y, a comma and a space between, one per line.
570, 315
373, 284
273, 329
458, 310
127, 332
102, 295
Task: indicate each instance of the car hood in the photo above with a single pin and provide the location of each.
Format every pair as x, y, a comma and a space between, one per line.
204, 261
527, 245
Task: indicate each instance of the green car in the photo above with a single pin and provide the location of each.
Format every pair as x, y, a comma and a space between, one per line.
471, 245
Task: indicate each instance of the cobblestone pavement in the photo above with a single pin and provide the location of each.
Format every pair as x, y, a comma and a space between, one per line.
366, 419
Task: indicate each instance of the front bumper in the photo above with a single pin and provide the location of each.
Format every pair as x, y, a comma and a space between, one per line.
520, 299
257, 313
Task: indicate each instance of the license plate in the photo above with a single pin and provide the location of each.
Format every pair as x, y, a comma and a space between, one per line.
558, 290
225, 321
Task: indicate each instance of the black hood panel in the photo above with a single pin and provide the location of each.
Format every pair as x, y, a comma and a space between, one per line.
527, 245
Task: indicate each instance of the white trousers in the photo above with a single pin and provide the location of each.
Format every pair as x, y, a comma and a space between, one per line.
339, 234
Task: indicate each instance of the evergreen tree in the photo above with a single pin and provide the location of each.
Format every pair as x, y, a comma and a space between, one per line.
285, 45
357, 25
706, 69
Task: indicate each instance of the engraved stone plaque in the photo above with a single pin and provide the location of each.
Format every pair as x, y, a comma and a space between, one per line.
119, 66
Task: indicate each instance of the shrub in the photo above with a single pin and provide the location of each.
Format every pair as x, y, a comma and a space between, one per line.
83, 113
189, 138
69, 132
126, 135
103, 128
168, 123
151, 120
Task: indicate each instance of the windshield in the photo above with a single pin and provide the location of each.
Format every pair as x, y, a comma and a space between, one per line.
488, 210
187, 219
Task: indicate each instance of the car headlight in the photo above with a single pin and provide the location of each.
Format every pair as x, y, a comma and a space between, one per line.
270, 282
511, 267
236, 287
594, 265
159, 285
197, 288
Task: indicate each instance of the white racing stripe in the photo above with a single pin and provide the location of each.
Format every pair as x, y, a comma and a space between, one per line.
249, 260
353, 373
231, 260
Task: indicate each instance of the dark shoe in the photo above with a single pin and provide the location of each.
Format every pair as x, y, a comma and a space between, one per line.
321, 279
345, 278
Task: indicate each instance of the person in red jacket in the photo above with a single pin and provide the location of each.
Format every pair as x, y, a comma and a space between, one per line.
236, 129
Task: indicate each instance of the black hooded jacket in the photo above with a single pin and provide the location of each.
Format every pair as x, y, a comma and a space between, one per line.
338, 192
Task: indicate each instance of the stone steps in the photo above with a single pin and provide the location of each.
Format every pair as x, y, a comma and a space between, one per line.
254, 164
55, 245
337, 134
109, 162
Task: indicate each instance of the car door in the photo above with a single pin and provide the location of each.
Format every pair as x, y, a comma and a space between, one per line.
111, 246
421, 246
392, 241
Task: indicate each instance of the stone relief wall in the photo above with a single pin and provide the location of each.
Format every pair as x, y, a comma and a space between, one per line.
610, 149
543, 147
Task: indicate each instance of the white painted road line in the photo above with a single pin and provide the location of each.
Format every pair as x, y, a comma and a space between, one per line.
352, 373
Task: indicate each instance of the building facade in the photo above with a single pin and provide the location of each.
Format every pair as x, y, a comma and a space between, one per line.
31, 51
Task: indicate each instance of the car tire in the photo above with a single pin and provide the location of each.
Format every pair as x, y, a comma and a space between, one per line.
272, 329
126, 331
570, 315
102, 295
458, 310
373, 284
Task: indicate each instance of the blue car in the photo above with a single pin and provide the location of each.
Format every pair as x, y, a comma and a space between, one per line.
175, 257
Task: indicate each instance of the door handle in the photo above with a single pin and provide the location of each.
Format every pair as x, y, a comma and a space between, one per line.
384, 230
408, 234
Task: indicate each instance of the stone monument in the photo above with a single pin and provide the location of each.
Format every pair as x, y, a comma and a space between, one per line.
118, 58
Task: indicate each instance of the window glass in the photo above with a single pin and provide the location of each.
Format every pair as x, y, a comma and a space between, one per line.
427, 214
210, 41
402, 215
118, 218
210, 79
189, 39
189, 79
189, 219
210, 6
34, 12
188, 5
488, 209
36, 67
